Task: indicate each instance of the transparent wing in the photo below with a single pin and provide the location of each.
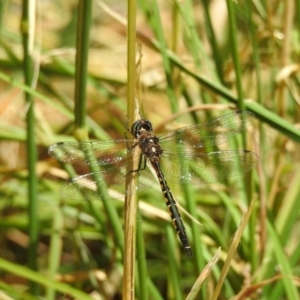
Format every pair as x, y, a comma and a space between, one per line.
188, 168
183, 159
111, 159
110, 152
107, 184
205, 168
92, 153
212, 133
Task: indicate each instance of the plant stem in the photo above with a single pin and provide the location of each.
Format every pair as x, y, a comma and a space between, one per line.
130, 201
27, 30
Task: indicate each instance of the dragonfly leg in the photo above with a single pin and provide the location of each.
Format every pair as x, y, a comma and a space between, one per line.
140, 167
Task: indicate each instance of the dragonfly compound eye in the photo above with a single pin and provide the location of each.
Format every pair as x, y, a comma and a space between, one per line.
140, 125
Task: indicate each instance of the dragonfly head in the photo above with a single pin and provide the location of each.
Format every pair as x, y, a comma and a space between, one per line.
140, 126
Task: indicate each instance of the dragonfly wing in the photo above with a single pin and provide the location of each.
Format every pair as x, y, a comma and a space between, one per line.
207, 167
106, 184
92, 153
212, 133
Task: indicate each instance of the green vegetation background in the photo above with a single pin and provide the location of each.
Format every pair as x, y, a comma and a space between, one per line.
196, 60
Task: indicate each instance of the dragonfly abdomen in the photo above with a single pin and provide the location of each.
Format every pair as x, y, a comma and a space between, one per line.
173, 210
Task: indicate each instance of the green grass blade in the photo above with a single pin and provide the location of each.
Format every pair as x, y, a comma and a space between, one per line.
41, 280
285, 267
173, 265
141, 263
82, 50
234, 52
55, 249
155, 20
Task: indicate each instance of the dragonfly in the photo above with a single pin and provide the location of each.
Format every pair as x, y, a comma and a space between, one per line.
188, 155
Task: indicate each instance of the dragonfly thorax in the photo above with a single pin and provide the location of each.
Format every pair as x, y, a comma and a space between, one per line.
149, 144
